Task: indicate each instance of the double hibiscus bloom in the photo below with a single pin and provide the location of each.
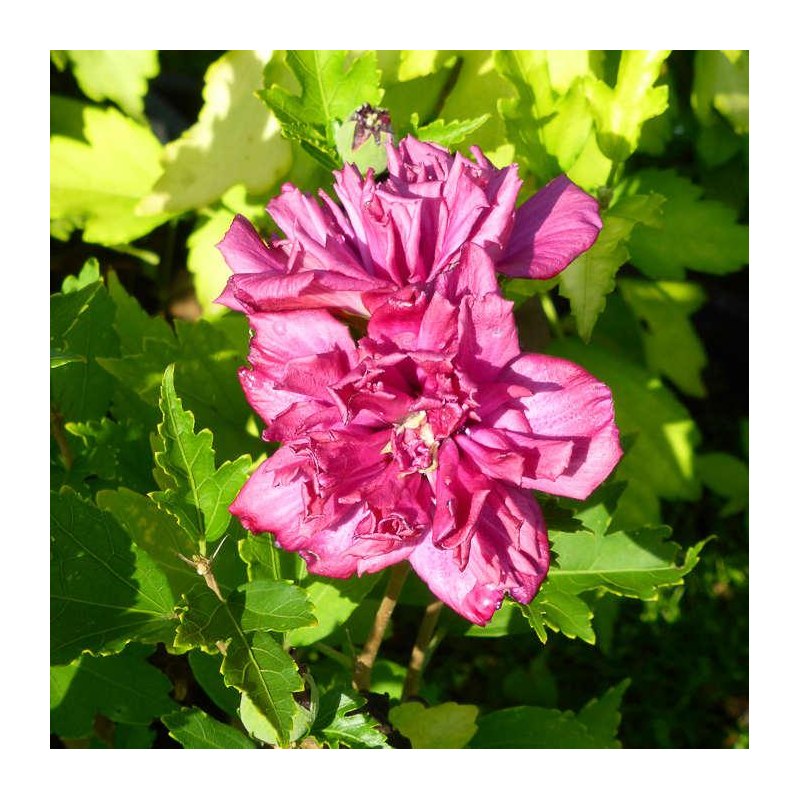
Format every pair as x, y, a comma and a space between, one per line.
421, 440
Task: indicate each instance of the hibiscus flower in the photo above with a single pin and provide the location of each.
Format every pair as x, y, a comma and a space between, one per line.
423, 440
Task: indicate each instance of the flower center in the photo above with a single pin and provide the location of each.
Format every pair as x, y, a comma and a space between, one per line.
413, 444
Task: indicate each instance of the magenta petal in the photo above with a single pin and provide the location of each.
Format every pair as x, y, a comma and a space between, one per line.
566, 402
245, 252
551, 229
509, 555
487, 336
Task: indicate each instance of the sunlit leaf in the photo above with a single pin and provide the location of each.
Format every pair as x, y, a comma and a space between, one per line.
117, 75
97, 181
448, 726
236, 140
332, 87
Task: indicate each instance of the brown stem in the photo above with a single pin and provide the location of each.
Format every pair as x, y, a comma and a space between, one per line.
421, 649
362, 671
57, 428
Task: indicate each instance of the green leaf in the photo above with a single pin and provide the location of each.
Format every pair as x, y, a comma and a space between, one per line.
264, 560
110, 454
259, 727
96, 182
447, 134
530, 727
368, 155
235, 140
268, 675
117, 75
206, 668
105, 591
726, 476
276, 606
90, 273
332, 86
336, 723
672, 347
621, 112
254, 663
132, 324
209, 271
447, 726
58, 358
192, 489
590, 277
722, 84
156, 532
123, 687
626, 563
696, 234
549, 122
82, 324
196, 730
333, 601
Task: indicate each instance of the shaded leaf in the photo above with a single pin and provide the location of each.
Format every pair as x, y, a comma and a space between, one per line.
726, 476
82, 324
123, 687
195, 729
132, 323
722, 84
105, 591
672, 347
696, 234
442, 727
206, 668
531, 727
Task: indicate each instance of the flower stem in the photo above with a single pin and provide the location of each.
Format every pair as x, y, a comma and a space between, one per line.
552, 315
362, 672
422, 650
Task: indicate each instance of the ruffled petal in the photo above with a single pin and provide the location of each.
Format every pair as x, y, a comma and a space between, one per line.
566, 402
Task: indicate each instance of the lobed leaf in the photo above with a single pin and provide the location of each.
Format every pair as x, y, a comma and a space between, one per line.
96, 181
124, 687
332, 87
696, 234
117, 75
105, 591
236, 140
337, 723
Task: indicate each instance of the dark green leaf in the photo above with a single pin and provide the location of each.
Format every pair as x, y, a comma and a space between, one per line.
82, 324
123, 687
337, 724
726, 476
195, 730
105, 591
695, 234
132, 323
207, 670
